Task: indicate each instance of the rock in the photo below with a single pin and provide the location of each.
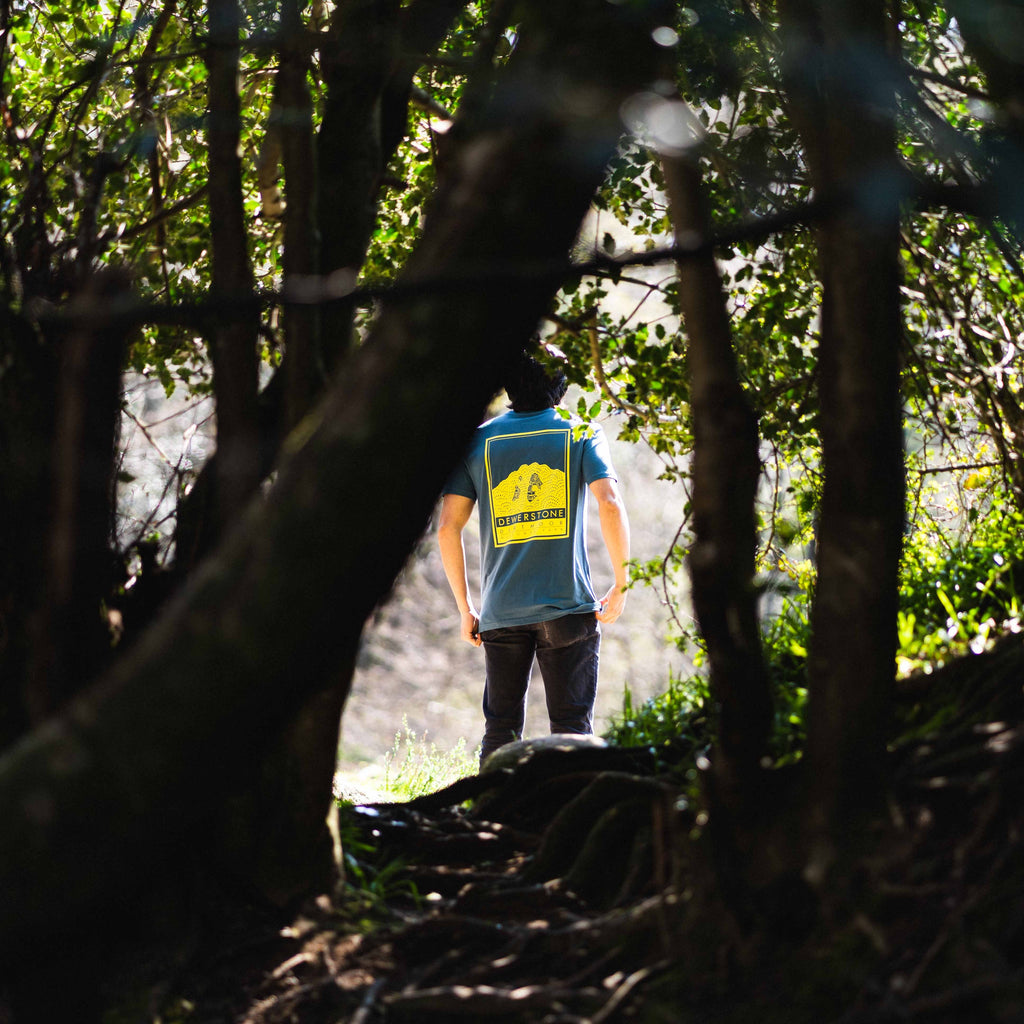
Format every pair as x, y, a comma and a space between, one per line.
355, 792
514, 754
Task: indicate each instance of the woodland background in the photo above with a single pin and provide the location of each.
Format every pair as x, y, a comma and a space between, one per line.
338, 223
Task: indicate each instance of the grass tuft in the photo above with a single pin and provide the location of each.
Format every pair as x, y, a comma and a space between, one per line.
413, 767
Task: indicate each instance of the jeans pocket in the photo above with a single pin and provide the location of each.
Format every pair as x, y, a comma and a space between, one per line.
570, 629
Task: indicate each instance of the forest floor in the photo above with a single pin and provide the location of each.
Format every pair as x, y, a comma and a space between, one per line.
586, 886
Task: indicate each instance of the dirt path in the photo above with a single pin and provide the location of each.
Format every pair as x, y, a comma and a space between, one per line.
571, 892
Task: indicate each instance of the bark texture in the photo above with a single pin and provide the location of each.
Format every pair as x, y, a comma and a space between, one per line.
134, 764
233, 341
339, 191
726, 468
994, 34
27, 399
841, 95
71, 641
300, 259
357, 60
59, 410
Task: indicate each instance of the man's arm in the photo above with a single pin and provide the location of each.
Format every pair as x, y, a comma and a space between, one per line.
455, 512
615, 533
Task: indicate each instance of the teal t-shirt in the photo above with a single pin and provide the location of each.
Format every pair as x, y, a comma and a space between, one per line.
528, 473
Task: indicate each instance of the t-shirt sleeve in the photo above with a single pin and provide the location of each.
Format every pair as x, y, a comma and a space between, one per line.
460, 482
597, 459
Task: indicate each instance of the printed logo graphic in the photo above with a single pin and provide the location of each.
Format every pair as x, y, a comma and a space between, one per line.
530, 500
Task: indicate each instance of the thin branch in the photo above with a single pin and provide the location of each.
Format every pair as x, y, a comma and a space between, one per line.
623, 991
491, 34
666, 574
774, 506
340, 287
602, 380
166, 213
950, 83
961, 468
162, 58
144, 429
650, 290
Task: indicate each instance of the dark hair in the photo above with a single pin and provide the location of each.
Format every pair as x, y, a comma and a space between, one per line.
533, 386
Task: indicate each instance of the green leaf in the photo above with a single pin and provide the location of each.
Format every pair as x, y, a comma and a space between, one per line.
946, 603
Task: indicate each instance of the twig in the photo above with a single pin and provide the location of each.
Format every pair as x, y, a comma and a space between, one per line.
669, 603
480, 1000
602, 380
281, 970
144, 429
766, 551
958, 469
955, 917
950, 83
625, 989
366, 1006
966, 992
165, 214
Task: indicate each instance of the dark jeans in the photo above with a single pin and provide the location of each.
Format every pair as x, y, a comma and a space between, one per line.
567, 652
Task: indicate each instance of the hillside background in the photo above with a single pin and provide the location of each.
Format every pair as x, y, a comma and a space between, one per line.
414, 669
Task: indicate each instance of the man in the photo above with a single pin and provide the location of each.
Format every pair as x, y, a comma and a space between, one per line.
531, 471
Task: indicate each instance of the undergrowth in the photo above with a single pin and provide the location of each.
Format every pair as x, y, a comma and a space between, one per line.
371, 883
679, 711
413, 767
958, 593
374, 881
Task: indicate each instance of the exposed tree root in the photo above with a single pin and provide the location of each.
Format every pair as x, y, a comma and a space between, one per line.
588, 892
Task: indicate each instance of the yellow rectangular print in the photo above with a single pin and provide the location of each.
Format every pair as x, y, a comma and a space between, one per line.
528, 480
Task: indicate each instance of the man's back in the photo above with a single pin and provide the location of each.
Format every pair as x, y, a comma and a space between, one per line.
529, 473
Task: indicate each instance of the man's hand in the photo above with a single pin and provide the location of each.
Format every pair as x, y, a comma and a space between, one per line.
470, 628
612, 604
615, 533
455, 512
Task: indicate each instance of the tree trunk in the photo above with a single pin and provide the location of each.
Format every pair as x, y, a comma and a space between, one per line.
290, 784
233, 343
97, 796
304, 370
343, 173
726, 468
59, 409
273, 831
848, 133
357, 60
994, 35
71, 642
27, 400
